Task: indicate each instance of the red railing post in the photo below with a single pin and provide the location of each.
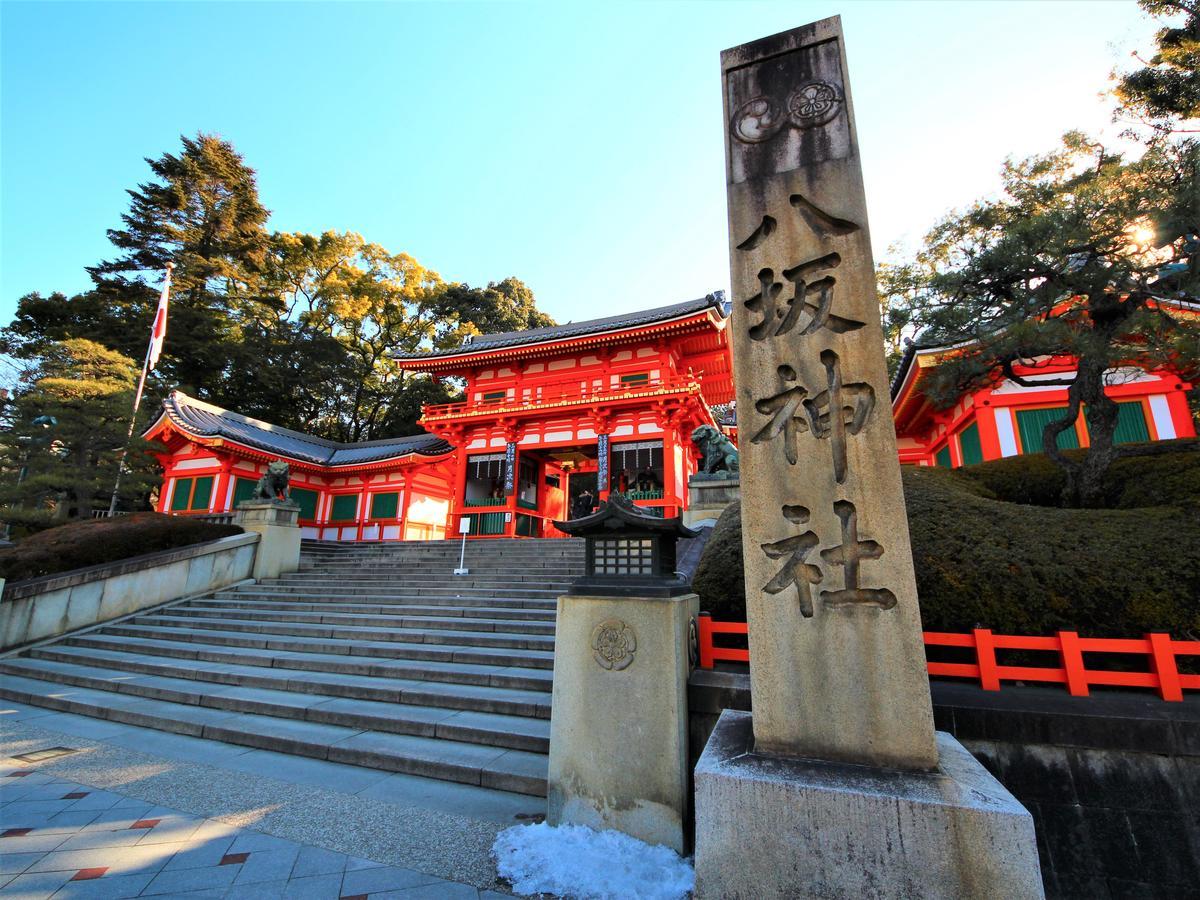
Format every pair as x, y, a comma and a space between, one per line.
985, 653
1072, 657
1164, 665
704, 639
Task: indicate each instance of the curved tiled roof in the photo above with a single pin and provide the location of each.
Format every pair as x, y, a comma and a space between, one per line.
481, 342
202, 419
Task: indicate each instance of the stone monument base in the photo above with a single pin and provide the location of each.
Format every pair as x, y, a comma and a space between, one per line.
708, 495
774, 827
278, 524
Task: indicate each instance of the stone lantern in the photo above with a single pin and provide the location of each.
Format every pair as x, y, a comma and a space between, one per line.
630, 553
619, 719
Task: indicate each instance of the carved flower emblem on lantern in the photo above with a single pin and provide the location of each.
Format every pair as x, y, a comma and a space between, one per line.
613, 644
813, 104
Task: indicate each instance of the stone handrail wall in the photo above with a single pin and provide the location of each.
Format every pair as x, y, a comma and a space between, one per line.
42, 608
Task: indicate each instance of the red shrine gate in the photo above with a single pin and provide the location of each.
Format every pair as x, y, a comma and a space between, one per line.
555, 418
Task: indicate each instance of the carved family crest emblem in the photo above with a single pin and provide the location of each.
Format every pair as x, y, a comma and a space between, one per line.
613, 644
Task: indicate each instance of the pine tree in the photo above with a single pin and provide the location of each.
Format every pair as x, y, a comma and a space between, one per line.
59, 458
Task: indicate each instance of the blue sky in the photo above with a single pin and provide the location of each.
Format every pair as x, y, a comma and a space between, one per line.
576, 146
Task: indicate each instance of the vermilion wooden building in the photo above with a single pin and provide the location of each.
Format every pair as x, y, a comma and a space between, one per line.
1007, 419
552, 419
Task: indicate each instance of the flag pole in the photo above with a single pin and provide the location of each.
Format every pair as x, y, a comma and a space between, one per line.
137, 397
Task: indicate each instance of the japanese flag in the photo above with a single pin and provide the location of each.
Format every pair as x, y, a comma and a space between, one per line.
160, 321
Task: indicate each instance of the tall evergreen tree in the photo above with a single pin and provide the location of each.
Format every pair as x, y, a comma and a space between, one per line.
59, 458
203, 214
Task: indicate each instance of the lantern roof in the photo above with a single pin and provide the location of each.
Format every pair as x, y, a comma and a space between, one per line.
620, 515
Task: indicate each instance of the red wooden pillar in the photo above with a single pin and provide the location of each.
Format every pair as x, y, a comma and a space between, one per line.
362, 505
217, 502
985, 420
1181, 416
405, 499
458, 495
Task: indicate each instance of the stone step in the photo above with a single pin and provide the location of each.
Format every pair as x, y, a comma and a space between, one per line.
444, 620
511, 689
349, 588
451, 760
253, 591
425, 581
495, 656
424, 633
489, 729
349, 606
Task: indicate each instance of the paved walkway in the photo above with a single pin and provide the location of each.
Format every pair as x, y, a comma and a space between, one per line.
133, 812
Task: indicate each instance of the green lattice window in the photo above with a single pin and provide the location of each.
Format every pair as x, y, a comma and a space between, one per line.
243, 489
192, 494
385, 506
345, 508
1131, 423
1031, 423
634, 379
308, 502
942, 457
970, 446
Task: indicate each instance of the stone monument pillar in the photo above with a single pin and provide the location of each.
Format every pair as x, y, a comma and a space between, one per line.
836, 786
619, 714
278, 525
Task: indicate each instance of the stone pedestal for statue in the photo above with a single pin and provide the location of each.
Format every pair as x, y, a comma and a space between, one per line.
278, 524
708, 495
837, 786
619, 713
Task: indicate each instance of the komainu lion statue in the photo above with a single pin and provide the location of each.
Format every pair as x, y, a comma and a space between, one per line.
274, 483
720, 456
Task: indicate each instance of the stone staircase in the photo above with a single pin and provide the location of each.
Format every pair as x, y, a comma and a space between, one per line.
371, 654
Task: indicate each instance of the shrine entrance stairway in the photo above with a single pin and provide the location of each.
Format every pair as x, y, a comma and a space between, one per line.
372, 654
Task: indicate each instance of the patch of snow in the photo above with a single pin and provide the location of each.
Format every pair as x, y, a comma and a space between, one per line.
583, 864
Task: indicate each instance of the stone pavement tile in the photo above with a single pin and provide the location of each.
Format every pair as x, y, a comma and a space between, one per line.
36, 885
256, 840
37, 811
31, 843
318, 861
468, 800
260, 890
357, 862
118, 860
16, 863
97, 800
90, 840
267, 865
494, 895
72, 820
443, 890
107, 887
83, 726
383, 878
128, 802
171, 829
119, 818
314, 887
200, 854
177, 882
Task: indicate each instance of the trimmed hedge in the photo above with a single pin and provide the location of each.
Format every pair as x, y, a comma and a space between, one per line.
98, 541
1021, 569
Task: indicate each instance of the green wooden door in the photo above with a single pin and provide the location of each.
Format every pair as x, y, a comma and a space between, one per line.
942, 457
1032, 422
308, 502
345, 508
969, 444
182, 495
1131, 424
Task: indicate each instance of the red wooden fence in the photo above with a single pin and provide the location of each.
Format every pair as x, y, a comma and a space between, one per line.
1163, 651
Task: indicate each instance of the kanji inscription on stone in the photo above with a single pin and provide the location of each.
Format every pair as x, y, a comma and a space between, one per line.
838, 672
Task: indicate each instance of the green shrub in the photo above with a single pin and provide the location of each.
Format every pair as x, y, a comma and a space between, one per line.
98, 541
1025, 569
718, 579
